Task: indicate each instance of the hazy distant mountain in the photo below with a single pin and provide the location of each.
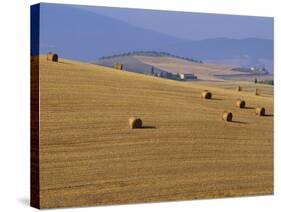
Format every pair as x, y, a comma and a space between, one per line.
78, 34
236, 52
222, 48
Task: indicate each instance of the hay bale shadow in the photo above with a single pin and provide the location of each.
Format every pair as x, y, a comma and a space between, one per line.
216, 99
248, 107
147, 127
268, 115
239, 122
64, 62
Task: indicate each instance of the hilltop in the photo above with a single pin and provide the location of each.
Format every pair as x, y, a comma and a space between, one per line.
131, 63
150, 54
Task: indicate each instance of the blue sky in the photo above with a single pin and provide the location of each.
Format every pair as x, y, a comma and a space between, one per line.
191, 26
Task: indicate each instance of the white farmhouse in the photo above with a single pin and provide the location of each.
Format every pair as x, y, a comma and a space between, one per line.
187, 76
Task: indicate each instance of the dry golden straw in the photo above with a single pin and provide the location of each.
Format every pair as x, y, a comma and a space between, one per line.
227, 116
135, 123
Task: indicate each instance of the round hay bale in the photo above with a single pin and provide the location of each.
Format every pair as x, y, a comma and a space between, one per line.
135, 123
227, 116
52, 57
206, 94
257, 92
118, 66
239, 88
260, 111
240, 103
121, 66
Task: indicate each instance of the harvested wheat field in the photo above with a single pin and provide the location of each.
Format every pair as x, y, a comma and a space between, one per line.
184, 150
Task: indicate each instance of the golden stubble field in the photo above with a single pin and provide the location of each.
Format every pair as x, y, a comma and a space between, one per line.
89, 156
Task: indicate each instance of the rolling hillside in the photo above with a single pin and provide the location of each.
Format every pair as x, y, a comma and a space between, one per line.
205, 71
88, 154
129, 63
142, 63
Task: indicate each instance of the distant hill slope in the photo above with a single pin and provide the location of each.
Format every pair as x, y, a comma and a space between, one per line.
132, 63
143, 63
203, 71
129, 63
